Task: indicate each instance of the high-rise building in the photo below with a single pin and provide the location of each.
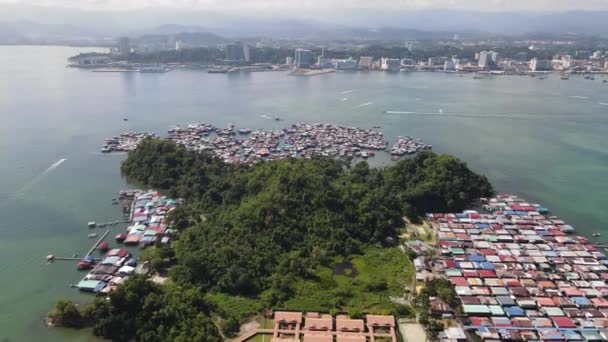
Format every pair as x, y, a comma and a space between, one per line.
246, 53
390, 64
487, 59
345, 64
303, 58
124, 46
437, 60
288, 61
449, 66
365, 62
237, 52
540, 65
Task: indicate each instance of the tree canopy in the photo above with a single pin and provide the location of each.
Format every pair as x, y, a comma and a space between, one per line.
271, 219
253, 231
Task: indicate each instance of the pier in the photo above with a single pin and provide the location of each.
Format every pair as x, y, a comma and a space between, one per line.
98, 242
52, 258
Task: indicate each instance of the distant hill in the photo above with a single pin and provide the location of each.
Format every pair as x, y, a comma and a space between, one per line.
23, 22
189, 35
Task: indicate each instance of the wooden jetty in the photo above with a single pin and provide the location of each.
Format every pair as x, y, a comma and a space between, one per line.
52, 258
98, 242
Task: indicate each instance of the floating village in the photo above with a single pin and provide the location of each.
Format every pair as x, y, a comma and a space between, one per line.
147, 215
520, 274
124, 142
246, 146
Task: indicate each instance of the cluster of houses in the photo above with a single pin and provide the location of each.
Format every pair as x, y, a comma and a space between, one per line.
148, 214
114, 268
149, 217
521, 275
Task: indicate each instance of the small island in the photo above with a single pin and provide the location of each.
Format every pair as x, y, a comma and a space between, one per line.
297, 234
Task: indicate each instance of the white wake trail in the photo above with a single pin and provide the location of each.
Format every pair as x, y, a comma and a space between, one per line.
38, 178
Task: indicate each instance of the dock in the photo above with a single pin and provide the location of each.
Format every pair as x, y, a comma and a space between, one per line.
53, 258
97, 243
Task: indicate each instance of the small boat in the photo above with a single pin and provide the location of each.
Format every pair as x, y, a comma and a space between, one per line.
92, 235
50, 258
83, 265
596, 234
92, 224
103, 246
125, 119
86, 263
244, 131
120, 237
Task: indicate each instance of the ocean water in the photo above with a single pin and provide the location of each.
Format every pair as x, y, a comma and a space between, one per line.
542, 139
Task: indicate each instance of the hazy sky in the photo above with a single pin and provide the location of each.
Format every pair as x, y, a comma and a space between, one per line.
486, 5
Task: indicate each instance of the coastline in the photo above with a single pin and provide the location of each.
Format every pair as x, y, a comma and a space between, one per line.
311, 72
509, 168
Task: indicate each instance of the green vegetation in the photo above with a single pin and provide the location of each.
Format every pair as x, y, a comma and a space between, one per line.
361, 283
66, 314
442, 289
299, 234
143, 311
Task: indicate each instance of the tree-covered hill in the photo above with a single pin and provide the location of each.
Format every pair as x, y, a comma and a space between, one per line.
258, 231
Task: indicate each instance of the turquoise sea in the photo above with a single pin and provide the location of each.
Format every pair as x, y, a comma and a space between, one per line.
542, 139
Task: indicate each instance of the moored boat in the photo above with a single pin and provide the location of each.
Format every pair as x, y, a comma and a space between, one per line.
103, 246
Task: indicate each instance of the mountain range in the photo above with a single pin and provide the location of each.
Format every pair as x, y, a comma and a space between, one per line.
31, 23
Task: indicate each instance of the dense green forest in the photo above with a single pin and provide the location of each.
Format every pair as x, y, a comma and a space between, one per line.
260, 231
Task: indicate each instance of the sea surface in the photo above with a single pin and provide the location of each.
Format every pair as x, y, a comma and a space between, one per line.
541, 139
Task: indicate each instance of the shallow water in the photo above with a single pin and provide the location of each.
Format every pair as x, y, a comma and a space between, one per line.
542, 139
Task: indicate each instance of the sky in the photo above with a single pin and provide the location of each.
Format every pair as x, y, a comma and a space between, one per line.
277, 5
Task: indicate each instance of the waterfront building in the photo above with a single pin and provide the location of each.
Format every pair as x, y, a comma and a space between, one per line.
390, 64
237, 52
344, 64
407, 62
246, 53
325, 62
606, 65
288, 61
449, 66
124, 46
519, 271
303, 58
487, 59
437, 60
366, 62
540, 65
